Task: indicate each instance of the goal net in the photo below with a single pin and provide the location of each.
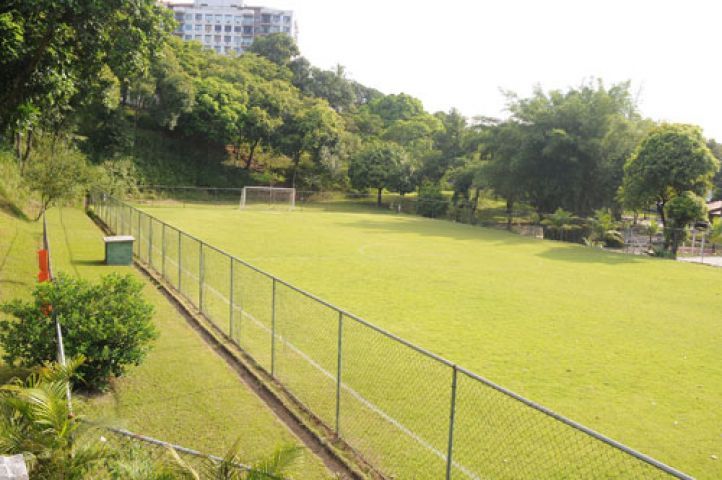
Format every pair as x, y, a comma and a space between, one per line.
269, 197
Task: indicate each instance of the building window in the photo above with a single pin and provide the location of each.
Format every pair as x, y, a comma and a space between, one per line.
227, 28
237, 19
217, 38
217, 48
219, 18
247, 19
276, 18
187, 27
199, 17
199, 27
208, 38
287, 29
209, 17
265, 28
246, 42
236, 40
237, 29
286, 19
229, 18
198, 37
188, 37
218, 28
265, 18
227, 39
209, 28
275, 29
189, 17
248, 30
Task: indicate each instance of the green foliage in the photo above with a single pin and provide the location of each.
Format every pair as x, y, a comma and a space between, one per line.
13, 190
680, 212
119, 177
279, 48
376, 166
671, 160
35, 421
108, 323
431, 202
58, 172
563, 148
715, 233
55, 50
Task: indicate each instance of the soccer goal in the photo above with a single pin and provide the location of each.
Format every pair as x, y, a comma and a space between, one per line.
269, 197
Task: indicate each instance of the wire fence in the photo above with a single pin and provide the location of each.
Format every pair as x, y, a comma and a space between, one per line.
409, 412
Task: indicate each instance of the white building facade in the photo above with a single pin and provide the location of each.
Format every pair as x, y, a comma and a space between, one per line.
229, 26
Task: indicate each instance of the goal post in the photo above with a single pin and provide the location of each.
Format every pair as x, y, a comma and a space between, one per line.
269, 197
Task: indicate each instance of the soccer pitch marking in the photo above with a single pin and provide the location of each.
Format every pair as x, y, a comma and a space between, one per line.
367, 403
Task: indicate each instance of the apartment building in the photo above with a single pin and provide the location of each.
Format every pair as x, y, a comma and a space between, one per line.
229, 26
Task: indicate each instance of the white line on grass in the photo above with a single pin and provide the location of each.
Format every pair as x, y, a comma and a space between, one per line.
368, 404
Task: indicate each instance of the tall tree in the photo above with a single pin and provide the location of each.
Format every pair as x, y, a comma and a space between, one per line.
376, 166
279, 48
672, 159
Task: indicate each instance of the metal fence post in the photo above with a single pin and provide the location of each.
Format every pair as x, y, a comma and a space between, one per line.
138, 239
230, 301
150, 241
180, 246
162, 250
338, 373
273, 330
201, 277
452, 415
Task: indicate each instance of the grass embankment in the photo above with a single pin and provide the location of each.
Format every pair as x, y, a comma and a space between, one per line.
183, 393
627, 345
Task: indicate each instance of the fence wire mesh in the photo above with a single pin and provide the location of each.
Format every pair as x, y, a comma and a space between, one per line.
410, 413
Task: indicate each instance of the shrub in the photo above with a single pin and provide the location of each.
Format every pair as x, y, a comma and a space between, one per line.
108, 323
613, 239
431, 202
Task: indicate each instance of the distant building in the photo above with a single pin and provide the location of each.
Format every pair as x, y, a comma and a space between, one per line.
228, 26
715, 209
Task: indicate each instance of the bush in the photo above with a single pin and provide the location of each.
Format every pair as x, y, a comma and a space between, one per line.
431, 202
613, 239
107, 323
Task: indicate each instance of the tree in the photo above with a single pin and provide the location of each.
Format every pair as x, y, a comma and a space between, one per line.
376, 166
279, 48
567, 143
56, 48
680, 212
671, 160
58, 172
311, 128
109, 324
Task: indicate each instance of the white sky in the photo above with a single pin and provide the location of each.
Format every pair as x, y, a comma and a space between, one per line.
459, 53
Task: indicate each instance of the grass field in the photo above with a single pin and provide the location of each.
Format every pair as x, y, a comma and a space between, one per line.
184, 392
626, 345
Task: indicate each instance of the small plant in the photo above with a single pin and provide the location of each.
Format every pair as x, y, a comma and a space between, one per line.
108, 323
35, 421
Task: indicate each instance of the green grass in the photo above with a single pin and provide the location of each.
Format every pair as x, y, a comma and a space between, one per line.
626, 345
183, 393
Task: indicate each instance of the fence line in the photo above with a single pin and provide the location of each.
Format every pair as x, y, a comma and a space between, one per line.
446, 421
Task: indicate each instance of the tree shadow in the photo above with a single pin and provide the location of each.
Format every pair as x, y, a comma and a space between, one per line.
13, 210
580, 254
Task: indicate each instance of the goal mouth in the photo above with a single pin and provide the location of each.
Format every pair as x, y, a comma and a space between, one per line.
268, 198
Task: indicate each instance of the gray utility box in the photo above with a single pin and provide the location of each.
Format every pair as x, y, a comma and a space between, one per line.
119, 250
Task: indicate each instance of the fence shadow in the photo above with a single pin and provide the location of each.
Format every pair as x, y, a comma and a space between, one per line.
588, 255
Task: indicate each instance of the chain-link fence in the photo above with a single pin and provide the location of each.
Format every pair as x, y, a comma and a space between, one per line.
409, 412
140, 456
